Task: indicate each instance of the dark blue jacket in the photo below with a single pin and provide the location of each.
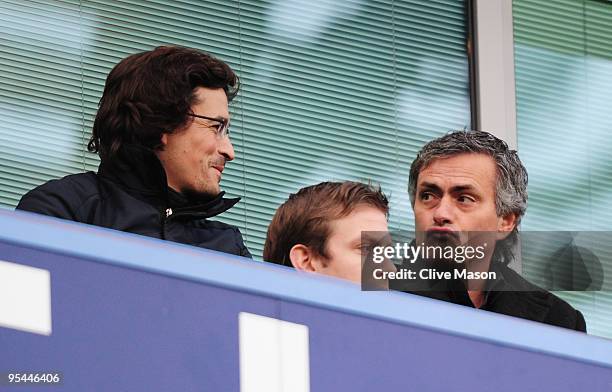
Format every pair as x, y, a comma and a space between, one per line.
130, 193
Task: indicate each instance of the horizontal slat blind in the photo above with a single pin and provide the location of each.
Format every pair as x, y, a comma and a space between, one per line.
563, 56
330, 90
345, 90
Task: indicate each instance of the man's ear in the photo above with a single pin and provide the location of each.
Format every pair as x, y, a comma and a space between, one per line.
302, 258
505, 225
164, 139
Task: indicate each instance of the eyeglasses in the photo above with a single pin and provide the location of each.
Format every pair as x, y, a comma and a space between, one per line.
221, 128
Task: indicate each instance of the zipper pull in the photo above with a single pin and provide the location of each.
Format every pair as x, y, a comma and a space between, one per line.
168, 212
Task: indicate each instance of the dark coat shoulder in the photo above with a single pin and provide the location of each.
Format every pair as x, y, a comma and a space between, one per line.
61, 198
102, 201
523, 299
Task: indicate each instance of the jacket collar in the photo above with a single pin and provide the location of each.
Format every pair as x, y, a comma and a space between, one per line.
138, 170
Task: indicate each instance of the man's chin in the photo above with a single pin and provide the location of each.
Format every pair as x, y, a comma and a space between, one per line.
442, 238
202, 194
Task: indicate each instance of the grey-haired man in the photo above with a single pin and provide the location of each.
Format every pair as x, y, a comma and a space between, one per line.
470, 181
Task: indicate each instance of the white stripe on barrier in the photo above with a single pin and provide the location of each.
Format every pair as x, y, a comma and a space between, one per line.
273, 355
25, 298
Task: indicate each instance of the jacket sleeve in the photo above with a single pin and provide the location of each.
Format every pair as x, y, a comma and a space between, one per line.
52, 198
580, 322
244, 251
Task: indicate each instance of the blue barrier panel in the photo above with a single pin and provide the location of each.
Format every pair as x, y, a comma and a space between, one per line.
131, 313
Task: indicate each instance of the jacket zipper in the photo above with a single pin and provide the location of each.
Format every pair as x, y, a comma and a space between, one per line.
164, 219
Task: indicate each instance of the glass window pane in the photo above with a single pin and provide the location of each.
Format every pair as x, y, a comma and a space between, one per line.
563, 57
331, 90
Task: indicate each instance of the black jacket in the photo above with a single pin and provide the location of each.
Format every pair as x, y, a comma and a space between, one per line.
131, 194
513, 295
508, 294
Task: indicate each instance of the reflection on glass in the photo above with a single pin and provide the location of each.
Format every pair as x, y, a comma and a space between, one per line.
563, 54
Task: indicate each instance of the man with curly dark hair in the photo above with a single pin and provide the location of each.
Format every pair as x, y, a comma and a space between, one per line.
162, 134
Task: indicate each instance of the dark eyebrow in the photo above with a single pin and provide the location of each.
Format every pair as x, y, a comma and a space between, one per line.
216, 118
462, 188
220, 118
455, 189
430, 186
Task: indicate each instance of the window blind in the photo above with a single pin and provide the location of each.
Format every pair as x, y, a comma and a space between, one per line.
330, 90
563, 63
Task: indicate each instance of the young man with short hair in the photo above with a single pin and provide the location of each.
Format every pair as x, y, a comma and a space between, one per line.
319, 228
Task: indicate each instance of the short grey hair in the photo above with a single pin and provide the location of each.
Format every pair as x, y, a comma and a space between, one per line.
511, 182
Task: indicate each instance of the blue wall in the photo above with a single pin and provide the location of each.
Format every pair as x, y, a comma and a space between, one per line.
132, 313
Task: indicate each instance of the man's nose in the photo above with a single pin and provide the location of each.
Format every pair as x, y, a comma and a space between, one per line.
443, 213
226, 148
